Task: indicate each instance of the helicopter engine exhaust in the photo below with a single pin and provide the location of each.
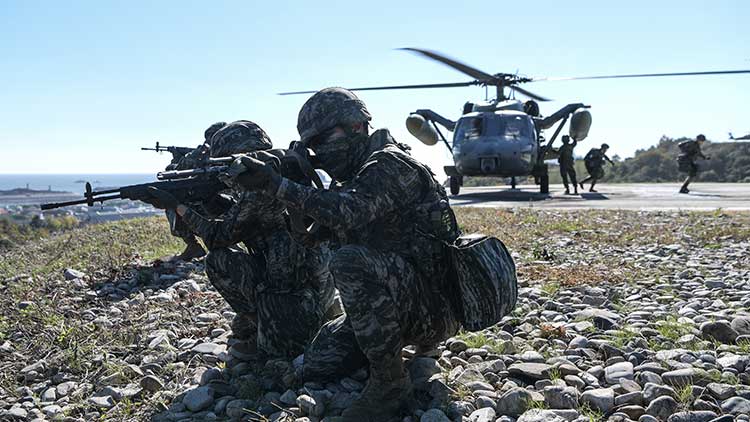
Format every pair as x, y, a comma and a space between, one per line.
421, 129
580, 123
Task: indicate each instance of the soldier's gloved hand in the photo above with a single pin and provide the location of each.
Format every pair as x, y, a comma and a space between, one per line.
253, 174
161, 199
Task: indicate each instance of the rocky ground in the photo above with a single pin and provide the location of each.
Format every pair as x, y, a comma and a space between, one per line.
621, 317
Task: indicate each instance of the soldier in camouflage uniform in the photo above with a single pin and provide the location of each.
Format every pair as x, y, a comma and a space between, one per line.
594, 161
389, 219
689, 152
568, 164
193, 249
279, 288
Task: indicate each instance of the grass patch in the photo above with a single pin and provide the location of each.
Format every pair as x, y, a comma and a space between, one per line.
478, 340
621, 338
685, 396
671, 329
593, 415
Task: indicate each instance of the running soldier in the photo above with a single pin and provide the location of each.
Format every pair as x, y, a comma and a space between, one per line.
279, 288
567, 164
690, 151
594, 162
390, 219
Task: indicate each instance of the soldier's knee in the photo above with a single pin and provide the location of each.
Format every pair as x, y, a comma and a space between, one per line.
216, 260
348, 262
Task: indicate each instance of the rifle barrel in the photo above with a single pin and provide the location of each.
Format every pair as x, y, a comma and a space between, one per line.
78, 202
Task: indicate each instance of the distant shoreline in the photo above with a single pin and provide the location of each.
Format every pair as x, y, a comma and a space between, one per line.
30, 192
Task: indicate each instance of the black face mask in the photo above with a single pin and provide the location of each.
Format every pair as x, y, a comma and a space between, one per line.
342, 157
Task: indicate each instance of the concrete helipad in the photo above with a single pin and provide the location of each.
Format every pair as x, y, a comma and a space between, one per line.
637, 196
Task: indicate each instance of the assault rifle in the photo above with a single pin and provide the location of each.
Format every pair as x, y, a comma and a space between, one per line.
200, 184
177, 152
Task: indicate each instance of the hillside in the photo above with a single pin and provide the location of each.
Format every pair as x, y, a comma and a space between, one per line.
94, 326
730, 162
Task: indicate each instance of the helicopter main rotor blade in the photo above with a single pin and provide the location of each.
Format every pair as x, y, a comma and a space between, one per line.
463, 68
530, 94
643, 75
377, 88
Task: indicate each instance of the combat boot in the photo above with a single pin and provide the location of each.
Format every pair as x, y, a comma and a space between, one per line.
387, 394
192, 250
567, 191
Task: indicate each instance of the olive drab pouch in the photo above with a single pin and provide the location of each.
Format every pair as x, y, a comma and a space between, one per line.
485, 277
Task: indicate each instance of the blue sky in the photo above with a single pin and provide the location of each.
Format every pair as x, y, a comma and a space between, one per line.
85, 84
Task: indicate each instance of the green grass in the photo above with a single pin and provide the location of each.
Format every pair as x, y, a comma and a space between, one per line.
51, 327
671, 329
622, 337
551, 289
685, 396
593, 415
478, 340
744, 347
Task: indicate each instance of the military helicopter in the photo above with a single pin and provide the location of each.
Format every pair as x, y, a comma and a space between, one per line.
741, 138
503, 136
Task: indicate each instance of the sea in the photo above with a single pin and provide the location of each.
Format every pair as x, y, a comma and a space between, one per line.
73, 183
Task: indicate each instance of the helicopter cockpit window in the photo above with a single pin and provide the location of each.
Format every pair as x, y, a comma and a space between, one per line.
468, 129
511, 127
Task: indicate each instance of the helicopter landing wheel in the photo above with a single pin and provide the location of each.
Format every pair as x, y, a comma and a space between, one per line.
455, 185
513, 183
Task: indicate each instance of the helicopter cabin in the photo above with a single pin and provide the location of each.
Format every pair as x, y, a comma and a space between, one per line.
495, 143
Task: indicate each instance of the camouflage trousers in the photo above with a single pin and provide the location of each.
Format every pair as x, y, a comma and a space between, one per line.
285, 320
178, 228
388, 304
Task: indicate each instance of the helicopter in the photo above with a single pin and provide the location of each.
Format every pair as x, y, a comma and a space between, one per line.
502, 136
741, 138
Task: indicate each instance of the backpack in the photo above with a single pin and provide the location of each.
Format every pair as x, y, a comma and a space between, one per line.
484, 274
686, 147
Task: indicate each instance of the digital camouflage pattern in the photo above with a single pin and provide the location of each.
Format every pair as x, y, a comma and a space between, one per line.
486, 277
211, 130
239, 137
281, 284
390, 222
328, 108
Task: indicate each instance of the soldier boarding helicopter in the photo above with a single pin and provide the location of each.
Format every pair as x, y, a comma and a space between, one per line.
501, 137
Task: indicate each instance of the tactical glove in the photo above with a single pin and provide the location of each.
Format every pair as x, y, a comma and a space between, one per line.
161, 199
254, 174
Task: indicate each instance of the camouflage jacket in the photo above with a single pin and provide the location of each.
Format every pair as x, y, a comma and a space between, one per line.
259, 221
393, 204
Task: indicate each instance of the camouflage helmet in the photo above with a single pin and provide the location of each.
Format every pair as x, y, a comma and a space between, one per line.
209, 133
239, 137
700, 137
605, 146
328, 108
